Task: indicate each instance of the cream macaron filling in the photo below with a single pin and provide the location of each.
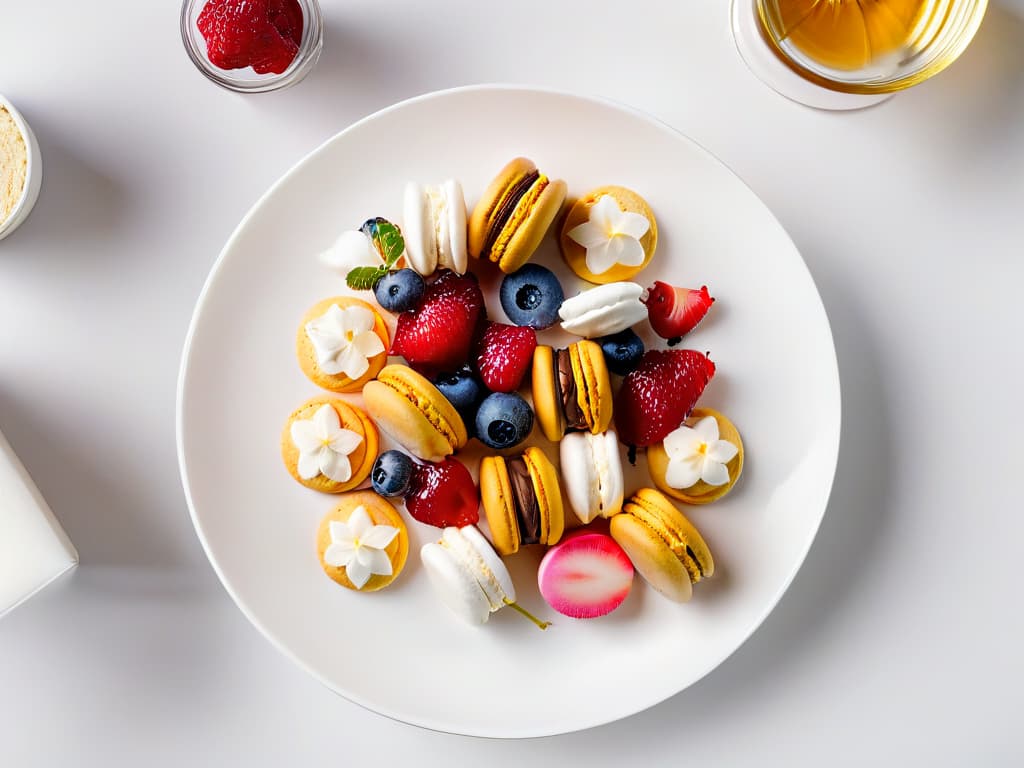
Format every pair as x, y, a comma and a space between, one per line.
435, 227
462, 549
592, 472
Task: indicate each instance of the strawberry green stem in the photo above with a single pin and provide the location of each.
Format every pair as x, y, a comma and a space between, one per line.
527, 614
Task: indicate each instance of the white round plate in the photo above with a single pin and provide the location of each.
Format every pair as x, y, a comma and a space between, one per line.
400, 652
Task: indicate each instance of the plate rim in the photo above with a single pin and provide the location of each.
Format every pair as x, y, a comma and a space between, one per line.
214, 273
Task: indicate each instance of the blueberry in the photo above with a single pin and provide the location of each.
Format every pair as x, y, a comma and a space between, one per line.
391, 473
503, 420
531, 296
399, 290
460, 388
622, 351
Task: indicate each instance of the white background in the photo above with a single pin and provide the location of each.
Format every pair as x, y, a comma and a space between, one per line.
898, 643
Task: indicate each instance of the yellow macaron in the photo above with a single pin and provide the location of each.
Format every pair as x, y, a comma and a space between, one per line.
697, 448
362, 543
342, 343
592, 225
514, 214
408, 407
571, 389
522, 500
662, 544
329, 445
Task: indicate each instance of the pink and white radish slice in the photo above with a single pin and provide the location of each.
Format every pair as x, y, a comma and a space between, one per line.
586, 575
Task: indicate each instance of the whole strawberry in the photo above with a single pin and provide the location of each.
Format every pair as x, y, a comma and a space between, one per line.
659, 394
504, 355
674, 312
438, 335
443, 494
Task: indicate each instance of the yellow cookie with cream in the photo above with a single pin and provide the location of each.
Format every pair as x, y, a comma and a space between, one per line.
662, 544
571, 389
342, 343
522, 500
609, 235
362, 543
514, 214
699, 462
413, 411
329, 445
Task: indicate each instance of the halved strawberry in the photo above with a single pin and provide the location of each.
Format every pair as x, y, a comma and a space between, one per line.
504, 354
437, 336
673, 312
659, 395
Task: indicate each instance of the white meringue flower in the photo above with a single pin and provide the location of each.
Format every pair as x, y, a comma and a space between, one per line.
611, 236
324, 446
352, 249
358, 545
695, 453
344, 340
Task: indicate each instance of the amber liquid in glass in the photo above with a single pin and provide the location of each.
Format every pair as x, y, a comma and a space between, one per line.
850, 34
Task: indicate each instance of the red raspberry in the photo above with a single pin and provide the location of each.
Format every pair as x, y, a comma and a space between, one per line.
437, 336
263, 34
443, 494
504, 355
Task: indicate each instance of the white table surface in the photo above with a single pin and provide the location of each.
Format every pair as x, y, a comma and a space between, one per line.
900, 639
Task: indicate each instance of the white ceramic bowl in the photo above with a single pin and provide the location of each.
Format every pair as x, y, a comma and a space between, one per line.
33, 173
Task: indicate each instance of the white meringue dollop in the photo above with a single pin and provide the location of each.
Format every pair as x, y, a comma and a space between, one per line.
352, 249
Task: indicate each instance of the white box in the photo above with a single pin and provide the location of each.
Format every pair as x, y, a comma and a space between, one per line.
34, 550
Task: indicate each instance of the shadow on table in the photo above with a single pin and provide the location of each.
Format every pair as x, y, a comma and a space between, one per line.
364, 67
79, 207
987, 86
112, 518
835, 567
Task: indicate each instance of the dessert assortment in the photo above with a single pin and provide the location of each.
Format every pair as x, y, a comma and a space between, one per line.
552, 421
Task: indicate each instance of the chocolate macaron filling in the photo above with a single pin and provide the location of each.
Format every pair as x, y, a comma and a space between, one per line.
506, 207
565, 384
525, 501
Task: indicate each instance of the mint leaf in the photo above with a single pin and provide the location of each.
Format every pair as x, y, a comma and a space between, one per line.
363, 278
390, 242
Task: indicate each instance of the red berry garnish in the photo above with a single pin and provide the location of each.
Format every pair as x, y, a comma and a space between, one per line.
437, 336
263, 34
659, 394
443, 494
673, 312
504, 354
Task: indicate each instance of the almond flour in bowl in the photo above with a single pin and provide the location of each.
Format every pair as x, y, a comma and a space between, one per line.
13, 165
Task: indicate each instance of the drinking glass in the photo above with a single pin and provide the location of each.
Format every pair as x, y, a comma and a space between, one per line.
846, 54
